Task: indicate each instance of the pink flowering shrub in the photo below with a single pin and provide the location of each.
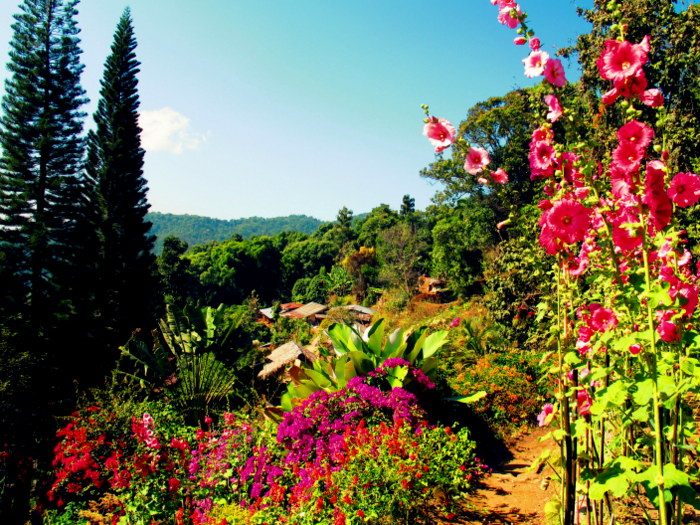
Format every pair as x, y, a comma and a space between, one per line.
155, 469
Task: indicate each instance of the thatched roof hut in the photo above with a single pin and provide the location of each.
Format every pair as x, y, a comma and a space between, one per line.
284, 355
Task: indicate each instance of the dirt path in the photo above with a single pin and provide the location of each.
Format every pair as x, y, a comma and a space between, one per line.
513, 493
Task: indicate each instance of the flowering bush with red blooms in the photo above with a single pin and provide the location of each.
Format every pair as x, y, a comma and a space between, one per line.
160, 471
623, 310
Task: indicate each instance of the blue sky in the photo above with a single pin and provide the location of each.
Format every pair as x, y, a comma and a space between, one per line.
277, 107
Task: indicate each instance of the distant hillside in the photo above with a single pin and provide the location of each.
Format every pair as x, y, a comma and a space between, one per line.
195, 229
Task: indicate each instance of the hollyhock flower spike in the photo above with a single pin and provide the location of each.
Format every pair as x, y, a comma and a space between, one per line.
510, 16
684, 189
555, 110
535, 63
477, 159
440, 132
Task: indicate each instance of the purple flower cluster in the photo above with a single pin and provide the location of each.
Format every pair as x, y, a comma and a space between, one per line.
317, 428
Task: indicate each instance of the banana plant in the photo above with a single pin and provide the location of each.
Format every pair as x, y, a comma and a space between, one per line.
357, 355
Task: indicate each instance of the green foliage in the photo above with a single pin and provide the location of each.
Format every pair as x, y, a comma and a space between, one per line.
194, 229
194, 359
378, 220
515, 278
460, 236
502, 125
403, 253
354, 355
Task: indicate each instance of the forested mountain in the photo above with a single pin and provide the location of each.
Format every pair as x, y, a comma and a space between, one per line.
195, 229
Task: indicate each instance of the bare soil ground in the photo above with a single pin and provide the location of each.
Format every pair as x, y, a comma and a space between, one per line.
513, 493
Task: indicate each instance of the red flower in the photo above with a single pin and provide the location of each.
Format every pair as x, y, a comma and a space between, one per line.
684, 189
568, 220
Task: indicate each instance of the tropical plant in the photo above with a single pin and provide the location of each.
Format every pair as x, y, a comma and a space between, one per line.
192, 359
397, 359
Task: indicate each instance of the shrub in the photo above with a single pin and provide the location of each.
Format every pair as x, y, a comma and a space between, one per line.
511, 382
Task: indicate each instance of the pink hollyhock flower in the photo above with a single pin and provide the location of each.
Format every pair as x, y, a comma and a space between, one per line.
689, 298
542, 134
602, 319
554, 72
440, 132
477, 159
584, 402
535, 63
652, 98
547, 240
660, 207
499, 176
627, 232
627, 156
635, 349
555, 110
569, 220
541, 159
621, 60
684, 189
509, 15
535, 44
668, 331
545, 417
519, 40
632, 86
609, 97
636, 132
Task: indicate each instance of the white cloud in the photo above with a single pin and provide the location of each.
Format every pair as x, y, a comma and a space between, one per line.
167, 130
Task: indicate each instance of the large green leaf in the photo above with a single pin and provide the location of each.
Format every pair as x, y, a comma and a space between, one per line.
394, 345
433, 343
375, 337
339, 335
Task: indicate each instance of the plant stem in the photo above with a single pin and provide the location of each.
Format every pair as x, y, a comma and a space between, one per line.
658, 418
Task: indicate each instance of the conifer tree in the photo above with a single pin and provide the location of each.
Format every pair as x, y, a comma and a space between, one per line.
40, 163
41, 204
124, 266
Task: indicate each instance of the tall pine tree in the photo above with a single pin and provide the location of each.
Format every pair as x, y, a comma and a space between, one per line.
125, 271
41, 196
40, 164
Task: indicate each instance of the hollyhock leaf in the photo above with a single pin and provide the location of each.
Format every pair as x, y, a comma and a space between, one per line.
644, 392
613, 479
690, 366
